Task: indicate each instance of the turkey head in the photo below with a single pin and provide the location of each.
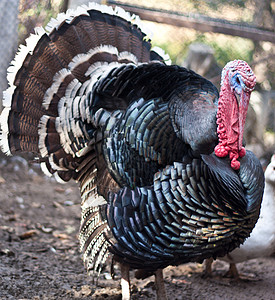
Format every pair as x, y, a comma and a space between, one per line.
238, 81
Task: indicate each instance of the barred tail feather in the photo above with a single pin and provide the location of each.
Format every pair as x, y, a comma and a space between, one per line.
49, 109
93, 238
41, 73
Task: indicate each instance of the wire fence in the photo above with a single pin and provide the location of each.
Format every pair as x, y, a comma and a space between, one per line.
8, 37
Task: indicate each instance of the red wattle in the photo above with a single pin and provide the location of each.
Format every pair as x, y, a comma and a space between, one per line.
220, 151
242, 152
235, 164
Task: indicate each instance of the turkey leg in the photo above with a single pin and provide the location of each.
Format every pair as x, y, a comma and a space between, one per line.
125, 282
160, 287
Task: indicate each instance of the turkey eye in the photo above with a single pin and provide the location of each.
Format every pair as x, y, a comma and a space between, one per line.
238, 80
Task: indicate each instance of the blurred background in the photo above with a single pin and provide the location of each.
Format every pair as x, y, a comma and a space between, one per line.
201, 35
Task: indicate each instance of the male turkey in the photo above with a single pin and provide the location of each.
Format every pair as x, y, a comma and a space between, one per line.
161, 183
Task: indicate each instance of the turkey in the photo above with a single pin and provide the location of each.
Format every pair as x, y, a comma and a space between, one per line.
158, 154
261, 242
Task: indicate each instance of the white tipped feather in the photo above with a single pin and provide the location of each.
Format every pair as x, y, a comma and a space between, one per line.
72, 89
54, 23
118, 11
7, 96
4, 120
31, 43
77, 130
45, 170
42, 135
76, 107
65, 17
103, 8
83, 92
54, 165
80, 58
163, 54
63, 125
4, 144
4, 138
82, 152
42, 145
57, 80
101, 253
92, 201
58, 179
82, 10
59, 130
97, 69
95, 246
129, 56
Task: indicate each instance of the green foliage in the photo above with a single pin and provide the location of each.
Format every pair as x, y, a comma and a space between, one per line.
225, 48
216, 4
35, 13
228, 48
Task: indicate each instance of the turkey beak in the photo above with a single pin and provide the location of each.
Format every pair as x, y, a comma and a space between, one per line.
243, 101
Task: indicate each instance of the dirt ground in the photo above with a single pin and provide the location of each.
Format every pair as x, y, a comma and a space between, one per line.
39, 257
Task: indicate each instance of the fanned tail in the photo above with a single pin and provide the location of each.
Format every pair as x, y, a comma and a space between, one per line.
52, 75
48, 108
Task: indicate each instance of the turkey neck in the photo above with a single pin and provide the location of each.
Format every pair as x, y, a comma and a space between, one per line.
230, 120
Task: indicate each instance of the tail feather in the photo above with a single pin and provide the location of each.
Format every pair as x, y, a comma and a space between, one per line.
92, 236
48, 107
51, 108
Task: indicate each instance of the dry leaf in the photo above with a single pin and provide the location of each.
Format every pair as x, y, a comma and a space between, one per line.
86, 290
28, 234
59, 190
57, 205
62, 236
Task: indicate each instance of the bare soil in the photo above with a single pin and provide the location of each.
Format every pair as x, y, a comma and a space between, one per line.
39, 257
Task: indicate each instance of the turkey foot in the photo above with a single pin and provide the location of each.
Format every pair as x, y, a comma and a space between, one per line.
207, 272
235, 275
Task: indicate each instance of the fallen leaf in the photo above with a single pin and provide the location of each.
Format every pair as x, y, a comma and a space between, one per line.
85, 290
59, 190
180, 281
57, 205
28, 234
77, 294
37, 179
62, 236
70, 229
42, 250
